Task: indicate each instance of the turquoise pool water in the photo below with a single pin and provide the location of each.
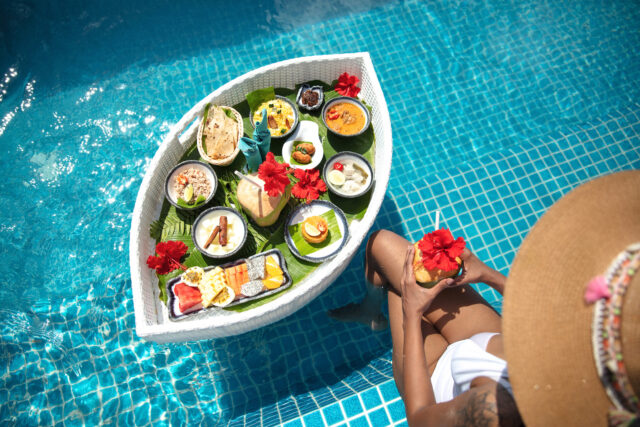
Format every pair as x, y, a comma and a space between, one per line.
498, 109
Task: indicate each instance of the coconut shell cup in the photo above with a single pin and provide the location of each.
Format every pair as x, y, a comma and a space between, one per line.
263, 209
429, 278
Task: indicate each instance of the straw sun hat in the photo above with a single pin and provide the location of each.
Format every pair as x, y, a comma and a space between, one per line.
573, 362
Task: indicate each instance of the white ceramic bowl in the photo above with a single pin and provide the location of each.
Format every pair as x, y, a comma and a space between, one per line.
304, 211
307, 131
170, 192
296, 118
349, 100
356, 159
205, 224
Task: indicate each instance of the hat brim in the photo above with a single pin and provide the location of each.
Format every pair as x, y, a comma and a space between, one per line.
546, 324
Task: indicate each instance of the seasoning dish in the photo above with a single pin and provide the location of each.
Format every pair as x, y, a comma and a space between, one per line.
190, 185
219, 135
348, 174
310, 98
307, 133
282, 116
329, 241
345, 116
219, 232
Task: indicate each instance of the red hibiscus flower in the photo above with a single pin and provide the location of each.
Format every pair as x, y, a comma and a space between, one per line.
275, 175
309, 185
346, 85
169, 255
439, 250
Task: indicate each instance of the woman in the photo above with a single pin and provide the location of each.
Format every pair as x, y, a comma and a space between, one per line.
440, 333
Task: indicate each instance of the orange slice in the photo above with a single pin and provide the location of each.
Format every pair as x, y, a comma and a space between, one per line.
272, 266
273, 282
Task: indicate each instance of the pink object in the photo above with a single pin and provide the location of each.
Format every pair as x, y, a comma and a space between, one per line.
596, 289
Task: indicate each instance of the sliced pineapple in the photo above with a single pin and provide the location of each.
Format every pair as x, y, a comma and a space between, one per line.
214, 283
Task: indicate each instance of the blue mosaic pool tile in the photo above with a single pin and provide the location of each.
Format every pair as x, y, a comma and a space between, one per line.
270, 416
253, 418
359, 422
388, 389
332, 414
294, 423
314, 419
396, 410
370, 398
378, 417
351, 406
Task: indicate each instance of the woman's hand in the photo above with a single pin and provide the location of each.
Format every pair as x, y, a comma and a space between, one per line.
475, 271
416, 299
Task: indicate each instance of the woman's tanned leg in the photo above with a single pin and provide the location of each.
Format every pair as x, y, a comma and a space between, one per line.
457, 313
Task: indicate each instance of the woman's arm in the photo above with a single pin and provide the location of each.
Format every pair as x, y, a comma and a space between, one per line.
418, 391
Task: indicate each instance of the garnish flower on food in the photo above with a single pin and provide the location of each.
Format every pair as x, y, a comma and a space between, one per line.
168, 258
346, 85
307, 184
440, 250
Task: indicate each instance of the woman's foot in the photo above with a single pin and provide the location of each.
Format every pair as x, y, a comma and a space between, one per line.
368, 311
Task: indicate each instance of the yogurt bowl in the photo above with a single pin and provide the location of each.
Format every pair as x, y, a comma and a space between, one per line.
205, 226
348, 174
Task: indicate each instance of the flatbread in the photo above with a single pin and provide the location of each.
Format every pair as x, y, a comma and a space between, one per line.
221, 134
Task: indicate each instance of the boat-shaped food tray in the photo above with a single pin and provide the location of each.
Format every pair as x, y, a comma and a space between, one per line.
173, 303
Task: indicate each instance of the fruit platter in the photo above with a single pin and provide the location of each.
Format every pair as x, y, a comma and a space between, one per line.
258, 198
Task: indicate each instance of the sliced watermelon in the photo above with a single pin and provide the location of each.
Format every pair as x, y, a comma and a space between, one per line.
188, 296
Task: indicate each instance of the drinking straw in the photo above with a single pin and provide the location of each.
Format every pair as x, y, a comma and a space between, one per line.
249, 179
437, 219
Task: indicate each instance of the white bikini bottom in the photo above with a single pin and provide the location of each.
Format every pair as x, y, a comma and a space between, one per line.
462, 362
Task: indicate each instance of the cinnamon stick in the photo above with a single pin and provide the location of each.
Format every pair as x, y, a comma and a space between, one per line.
223, 231
213, 236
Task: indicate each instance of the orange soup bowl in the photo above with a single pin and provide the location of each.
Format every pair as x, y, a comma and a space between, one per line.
345, 116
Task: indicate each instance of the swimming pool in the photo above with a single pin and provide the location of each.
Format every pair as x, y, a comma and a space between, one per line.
498, 108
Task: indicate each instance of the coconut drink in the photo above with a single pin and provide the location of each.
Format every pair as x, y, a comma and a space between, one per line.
437, 257
263, 208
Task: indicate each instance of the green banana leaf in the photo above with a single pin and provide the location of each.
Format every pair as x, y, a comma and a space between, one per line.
305, 248
175, 224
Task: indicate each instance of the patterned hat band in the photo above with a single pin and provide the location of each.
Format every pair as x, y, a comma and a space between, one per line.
607, 292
